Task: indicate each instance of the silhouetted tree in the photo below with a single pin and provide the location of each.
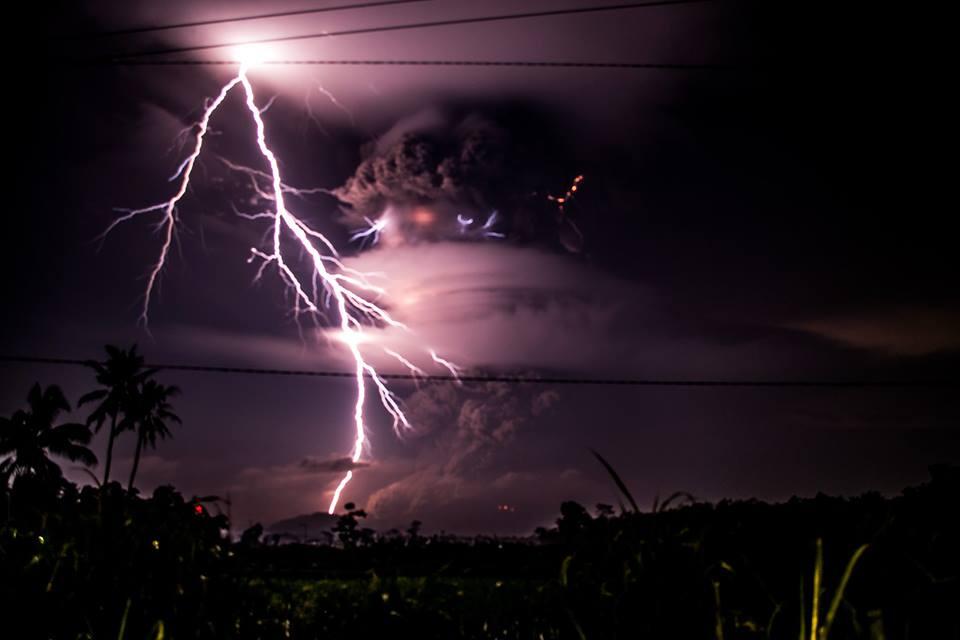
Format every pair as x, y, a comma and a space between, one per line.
573, 520
413, 533
605, 510
120, 376
30, 436
150, 411
251, 536
348, 528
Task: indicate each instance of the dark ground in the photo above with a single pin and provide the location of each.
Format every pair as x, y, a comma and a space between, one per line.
113, 564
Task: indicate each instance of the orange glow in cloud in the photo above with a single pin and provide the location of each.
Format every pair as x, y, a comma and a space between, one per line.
423, 216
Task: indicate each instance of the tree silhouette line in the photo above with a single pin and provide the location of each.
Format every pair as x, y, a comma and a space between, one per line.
115, 563
128, 399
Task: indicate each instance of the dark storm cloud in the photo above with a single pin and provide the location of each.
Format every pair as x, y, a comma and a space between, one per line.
337, 465
466, 435
424, 167
442, 177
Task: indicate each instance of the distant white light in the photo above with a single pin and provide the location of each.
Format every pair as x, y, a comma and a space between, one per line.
251, 55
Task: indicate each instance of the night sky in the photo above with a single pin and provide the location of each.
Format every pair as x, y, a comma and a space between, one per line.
780, 217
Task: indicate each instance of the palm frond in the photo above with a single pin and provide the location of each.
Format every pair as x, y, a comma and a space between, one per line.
71, 432
77, 453
97, 394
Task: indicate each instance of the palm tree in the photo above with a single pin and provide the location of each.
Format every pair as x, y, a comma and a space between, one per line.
29, 437
150, 412
119, 377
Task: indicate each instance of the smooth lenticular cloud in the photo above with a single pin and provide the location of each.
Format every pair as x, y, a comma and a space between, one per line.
498, 306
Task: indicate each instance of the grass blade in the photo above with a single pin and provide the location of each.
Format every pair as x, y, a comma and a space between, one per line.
817, 577
617, 480
838, 595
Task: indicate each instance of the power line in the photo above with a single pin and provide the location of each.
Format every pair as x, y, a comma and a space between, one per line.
636, 382
561, 64
260, 16
417, 25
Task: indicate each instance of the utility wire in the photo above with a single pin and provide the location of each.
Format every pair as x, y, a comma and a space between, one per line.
831, 384
416, 25
260, 16
560, 64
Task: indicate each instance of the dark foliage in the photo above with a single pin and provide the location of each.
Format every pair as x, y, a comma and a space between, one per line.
120, 378
111, 564
31, 435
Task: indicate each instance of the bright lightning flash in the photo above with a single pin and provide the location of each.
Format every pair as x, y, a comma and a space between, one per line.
349, 292
486, 231
372, 231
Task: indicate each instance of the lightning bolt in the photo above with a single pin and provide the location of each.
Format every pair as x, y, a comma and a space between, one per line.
491, 220
464, 223
336, 103
452, 368
372, 231
347, 292
308, 106
484, 231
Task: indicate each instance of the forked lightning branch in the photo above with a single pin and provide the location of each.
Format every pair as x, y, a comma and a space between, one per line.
330, 292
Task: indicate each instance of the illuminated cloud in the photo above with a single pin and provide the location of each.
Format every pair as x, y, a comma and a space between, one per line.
465, 438
902, 331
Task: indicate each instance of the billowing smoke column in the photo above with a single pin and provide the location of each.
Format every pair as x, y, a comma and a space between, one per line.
332, 287
439, 177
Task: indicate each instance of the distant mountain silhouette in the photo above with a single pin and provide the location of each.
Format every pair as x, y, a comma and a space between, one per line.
305, 527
